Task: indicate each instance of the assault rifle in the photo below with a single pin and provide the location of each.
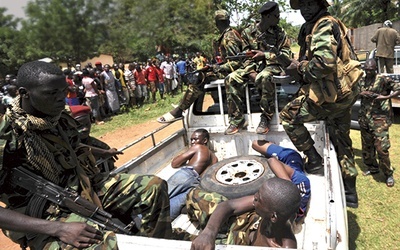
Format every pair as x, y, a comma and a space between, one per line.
371, 94
241, 56
281, 58
68, 199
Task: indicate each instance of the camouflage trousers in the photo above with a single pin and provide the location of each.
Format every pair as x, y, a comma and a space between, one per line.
236, 231
337, 116
236, 83
375, 141
193, 90
124, 196
267, 89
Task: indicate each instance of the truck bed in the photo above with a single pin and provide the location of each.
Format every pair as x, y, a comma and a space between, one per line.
325, 225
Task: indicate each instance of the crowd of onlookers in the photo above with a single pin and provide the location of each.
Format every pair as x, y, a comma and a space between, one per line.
111, 89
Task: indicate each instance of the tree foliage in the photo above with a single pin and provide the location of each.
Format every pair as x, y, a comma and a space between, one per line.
167, 26
75, 30
65, 30
358, 13
9, 51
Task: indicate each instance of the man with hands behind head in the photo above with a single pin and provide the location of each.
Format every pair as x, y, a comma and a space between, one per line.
191, 164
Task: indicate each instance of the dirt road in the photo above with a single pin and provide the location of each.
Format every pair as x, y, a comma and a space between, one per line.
119, 139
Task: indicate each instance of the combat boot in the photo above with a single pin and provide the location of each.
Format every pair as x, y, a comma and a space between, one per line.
314, 162
350, 191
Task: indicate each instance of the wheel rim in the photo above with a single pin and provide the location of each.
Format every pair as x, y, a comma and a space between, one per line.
240, 172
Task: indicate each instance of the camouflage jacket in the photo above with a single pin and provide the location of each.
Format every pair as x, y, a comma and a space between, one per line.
271, 41
229, 43
370, 107
14, 154
330, 68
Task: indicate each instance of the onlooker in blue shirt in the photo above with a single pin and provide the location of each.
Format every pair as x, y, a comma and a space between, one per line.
181, 68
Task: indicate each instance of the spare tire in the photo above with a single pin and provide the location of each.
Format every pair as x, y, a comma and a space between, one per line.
237, 176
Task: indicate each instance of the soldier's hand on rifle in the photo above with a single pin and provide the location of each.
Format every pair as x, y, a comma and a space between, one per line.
112, 152
216, 68
369, 94
293, 71
78, 234
106, 153
258, 55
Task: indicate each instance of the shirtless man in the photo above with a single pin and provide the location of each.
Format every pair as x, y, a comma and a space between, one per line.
192, 164
261, 219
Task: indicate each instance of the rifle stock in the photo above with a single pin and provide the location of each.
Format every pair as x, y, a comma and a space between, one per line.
68, 199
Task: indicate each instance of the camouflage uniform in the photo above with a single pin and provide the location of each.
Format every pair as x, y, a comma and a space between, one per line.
123, 195
319, 102
236, 231
375, 118
236, 82
229, 43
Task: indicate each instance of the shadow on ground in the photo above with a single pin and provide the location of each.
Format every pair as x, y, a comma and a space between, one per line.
354, 229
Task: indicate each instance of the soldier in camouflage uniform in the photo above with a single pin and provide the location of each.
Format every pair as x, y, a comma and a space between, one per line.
229, 43
375, 117
329, 91
254, 220
38, 135
267, 40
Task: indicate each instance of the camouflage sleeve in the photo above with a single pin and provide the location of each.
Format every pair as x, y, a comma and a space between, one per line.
284, 47
360, 85
394, 86
232, 44
324, 52
247, 38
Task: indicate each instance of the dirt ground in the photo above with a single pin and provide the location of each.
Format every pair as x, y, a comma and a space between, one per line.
119, 139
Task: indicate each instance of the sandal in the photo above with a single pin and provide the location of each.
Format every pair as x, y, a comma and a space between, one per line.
168, 118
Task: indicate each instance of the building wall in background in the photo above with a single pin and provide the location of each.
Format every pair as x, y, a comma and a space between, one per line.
361, 37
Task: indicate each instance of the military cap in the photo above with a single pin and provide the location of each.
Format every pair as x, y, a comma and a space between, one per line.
221, 15
268, 7
295, 4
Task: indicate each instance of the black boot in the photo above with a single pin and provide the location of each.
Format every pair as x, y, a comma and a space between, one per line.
314, 162
350, 191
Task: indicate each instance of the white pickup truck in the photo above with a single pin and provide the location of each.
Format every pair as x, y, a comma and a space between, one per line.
325, 225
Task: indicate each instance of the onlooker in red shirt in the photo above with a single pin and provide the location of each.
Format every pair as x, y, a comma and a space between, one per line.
151, 77
160, 78
72, 96
141, 86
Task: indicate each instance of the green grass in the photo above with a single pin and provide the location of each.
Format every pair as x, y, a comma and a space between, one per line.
374, 225
149, 111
